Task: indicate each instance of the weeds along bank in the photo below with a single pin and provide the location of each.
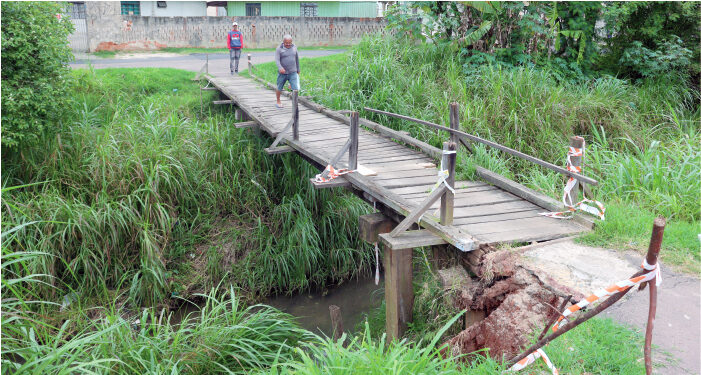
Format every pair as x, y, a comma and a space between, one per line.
642, 139
133, 190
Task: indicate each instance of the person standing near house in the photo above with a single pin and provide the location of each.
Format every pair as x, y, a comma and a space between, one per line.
234, 41
287, 62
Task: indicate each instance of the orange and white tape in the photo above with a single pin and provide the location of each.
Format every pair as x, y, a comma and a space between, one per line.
596, 208
333, 173
539, 353
611, 290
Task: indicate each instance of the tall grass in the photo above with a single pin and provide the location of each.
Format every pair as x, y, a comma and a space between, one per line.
135, 179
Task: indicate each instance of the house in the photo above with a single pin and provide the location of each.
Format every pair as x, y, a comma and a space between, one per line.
353, 9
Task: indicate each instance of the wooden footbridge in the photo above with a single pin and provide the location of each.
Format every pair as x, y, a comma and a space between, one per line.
419, 203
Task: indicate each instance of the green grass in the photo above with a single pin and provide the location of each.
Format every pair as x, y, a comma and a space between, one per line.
137, 179
642, 140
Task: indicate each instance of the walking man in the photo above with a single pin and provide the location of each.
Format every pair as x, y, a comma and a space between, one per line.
234, 41
287, 62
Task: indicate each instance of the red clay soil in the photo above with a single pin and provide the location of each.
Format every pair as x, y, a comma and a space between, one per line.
516, 301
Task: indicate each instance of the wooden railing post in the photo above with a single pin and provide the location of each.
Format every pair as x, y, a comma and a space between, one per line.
353, 151
295, 115
576, 142
454, 121
448, 197
336, 322
206, 69
250, 66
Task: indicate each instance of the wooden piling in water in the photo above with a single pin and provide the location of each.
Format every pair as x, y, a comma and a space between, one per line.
399, 294
336, 322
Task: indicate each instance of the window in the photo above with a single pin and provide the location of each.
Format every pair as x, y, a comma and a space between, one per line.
131, 7
308, 10
252, 9
77, 10
161, 4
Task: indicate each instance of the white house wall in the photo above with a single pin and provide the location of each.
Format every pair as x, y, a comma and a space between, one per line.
174, 9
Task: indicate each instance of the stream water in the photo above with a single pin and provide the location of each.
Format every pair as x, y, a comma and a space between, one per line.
356, 298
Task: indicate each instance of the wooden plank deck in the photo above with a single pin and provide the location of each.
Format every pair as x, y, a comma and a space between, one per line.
404, 177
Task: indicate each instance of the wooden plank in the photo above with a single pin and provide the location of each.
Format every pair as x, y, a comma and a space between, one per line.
410, 239
495, 209
337, 182
493, 218
365, 171
474, 189
529, 235
278, 150
534, 224
246, 124
219, 102
519, 190
427, 188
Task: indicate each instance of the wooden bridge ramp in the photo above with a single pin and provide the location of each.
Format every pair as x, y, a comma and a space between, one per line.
400, 177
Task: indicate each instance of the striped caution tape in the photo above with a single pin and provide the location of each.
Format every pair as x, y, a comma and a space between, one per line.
589, 206
611, 290
333, 173
539, 353
443, 174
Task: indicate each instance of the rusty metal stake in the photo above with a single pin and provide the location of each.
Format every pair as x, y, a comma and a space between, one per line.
652, 254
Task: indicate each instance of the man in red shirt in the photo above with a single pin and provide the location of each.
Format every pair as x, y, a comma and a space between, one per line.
234, 41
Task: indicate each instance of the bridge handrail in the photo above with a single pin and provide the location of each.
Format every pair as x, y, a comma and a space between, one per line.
508, 150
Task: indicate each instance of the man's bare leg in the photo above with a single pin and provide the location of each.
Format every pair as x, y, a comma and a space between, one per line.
277, 95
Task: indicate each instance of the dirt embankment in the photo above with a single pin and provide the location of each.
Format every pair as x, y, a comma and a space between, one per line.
505, 303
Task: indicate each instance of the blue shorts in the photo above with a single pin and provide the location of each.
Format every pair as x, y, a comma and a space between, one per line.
293, 78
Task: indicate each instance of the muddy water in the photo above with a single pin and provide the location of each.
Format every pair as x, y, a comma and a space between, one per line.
356, 298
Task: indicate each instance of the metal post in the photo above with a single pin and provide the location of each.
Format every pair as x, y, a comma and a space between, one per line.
295, 116
448, 198
250, 66
353, 151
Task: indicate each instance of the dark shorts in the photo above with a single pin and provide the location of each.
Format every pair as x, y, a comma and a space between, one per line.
293, 78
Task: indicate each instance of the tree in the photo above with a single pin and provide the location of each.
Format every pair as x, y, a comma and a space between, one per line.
35, 54
646, 39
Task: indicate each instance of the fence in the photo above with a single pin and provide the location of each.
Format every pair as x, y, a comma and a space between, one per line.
109, 30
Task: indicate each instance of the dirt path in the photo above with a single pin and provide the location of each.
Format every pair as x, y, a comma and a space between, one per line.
218, 63
678, 322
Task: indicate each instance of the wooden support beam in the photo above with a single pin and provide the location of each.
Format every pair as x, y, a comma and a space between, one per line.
370, 226
250, 66
411, 239
210, 89
337, 182
448, 199
223, 102
399, 293
278, 150
416, 213
246, 124
353, 150
295, 115
336, 322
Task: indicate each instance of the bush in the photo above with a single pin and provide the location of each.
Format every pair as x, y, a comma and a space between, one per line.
34, 55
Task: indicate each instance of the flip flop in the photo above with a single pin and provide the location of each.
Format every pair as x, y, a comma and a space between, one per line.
279, 105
